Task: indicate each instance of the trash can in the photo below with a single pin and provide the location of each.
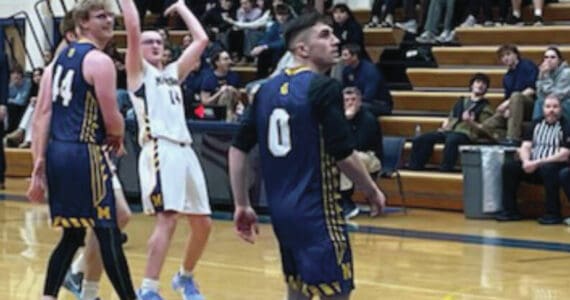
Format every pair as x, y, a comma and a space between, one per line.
482, 179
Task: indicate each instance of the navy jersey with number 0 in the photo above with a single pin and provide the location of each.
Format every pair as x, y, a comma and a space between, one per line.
75, 112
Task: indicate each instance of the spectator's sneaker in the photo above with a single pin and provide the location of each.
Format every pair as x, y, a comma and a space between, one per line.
550, 220
446, 36
489, 24
410, 26
388, 21
426, 38
469, 22
515, 21
537, 21
73, 283
373, 22
148, 295
186, 286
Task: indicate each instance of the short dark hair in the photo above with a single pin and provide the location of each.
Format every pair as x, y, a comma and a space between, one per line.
67, 24
281, 9
352, 90
215, 57
300, 24
353, 49
480, 77
17, 69
508, 48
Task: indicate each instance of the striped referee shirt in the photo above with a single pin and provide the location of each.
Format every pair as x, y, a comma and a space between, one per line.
547, 139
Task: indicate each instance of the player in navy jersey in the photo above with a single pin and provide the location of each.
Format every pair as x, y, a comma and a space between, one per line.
82, 119
298, 121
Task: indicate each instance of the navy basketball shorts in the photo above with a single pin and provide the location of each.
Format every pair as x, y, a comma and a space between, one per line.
80, 188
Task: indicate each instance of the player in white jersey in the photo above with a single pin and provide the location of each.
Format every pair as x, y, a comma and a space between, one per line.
172, 181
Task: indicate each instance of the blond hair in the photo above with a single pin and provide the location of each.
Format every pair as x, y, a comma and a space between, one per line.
67, 23
82, 8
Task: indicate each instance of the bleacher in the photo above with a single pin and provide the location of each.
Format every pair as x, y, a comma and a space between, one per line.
434, 90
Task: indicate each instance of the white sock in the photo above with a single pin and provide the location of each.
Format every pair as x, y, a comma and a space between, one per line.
516, 13
185, 272
538, 12
78, 265
89, 290
149, 285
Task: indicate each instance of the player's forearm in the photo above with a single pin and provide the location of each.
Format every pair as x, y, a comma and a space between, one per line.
237, 166
194, 26
130, 15
352, 167
40, 128
114, 124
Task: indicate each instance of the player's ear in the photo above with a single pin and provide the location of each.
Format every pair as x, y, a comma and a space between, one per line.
302, 49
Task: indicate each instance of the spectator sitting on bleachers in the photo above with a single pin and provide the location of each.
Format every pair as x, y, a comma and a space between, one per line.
543, 155
213, 19
19, 93
461, 127
21, 137
241, 41
365, 75
220, 85
346, 28
368, 137
519, 84
486, 6
382, 13
516, 17
272, 45
436, 8
410, 23
553, 78
191, 88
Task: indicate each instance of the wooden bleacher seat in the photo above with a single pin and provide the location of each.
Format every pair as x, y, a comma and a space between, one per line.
406, 125
18, 162
422, 78
525, 35
486, 55
434, 102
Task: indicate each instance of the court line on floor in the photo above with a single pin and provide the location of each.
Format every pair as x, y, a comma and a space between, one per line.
409, 233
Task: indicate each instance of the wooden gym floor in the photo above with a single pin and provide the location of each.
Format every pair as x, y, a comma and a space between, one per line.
422, 255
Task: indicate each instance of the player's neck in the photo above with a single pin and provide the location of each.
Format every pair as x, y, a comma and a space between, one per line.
91, 40
299, 62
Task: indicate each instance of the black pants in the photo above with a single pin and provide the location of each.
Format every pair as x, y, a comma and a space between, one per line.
422, 148
408, 5
15, 113
549, 175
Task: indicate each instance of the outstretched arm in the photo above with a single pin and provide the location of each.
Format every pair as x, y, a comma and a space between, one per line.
192, 53
134, 58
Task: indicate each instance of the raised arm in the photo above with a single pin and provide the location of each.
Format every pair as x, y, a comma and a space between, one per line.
134, 58
191, 55
99, 70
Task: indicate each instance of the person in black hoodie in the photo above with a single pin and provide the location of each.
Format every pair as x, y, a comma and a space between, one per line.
346, 28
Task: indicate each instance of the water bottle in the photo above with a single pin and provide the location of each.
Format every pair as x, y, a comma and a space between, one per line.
418, 130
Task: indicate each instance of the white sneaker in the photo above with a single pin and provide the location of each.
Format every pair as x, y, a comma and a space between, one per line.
426, 38
469, 22
410, 26
446, 36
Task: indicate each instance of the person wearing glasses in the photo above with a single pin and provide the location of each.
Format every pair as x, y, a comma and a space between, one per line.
553, 78
166, 148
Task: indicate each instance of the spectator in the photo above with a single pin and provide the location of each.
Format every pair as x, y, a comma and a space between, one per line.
461, 127
436, 8
368, 137
543, 155
487, 7
363, 74
191, 88
346, 28
516, 17
220, 85
19, 94
4, 91
410, 23
382, 13
519, 84
553, 78
242, 41
272, 45
21, 137
213, 19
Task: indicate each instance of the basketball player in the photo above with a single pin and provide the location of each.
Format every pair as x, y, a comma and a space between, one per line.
83, 278
172, 181
82, 117
298, 121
